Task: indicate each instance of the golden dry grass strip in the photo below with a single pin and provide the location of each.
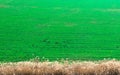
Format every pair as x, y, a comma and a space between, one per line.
56, 68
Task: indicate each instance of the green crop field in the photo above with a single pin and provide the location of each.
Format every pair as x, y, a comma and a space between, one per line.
56, 29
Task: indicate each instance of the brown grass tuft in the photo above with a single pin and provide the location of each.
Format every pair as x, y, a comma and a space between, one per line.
56, 68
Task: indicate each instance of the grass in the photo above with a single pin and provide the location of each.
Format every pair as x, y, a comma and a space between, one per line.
55, 29
111, 67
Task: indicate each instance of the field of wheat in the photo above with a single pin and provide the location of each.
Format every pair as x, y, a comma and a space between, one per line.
61, 68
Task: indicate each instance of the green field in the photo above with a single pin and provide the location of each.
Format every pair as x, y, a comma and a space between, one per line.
55, 29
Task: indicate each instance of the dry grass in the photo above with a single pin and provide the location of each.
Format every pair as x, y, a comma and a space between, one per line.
65, 68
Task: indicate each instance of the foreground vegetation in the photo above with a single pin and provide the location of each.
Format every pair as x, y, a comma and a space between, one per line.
61, 68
